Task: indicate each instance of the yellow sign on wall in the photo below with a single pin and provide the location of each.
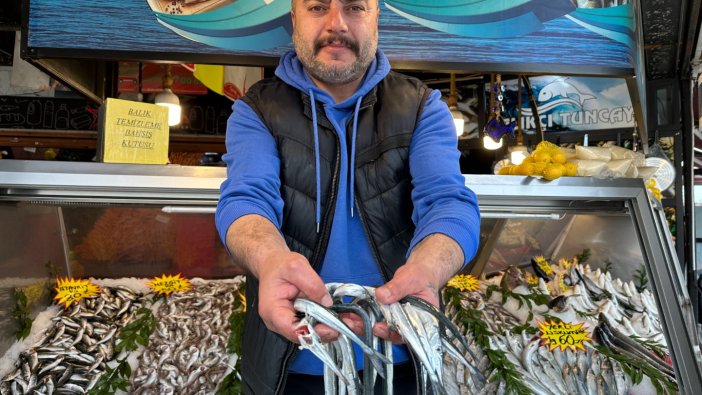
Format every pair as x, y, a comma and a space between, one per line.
133, 132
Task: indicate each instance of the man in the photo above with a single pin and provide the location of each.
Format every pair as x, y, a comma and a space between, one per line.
338, 170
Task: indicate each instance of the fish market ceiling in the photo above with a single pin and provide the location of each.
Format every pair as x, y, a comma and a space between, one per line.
670, 33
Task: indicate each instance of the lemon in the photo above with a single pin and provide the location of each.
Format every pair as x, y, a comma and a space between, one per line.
528, 159
539, 168
518, 170
558, 157
553, 171
545, 145
505, 171
526, 169
571, 169
542, 156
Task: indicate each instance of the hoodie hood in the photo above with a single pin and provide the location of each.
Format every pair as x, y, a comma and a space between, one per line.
291, 71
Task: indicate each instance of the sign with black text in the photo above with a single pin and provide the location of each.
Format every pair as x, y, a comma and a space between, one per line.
132, 132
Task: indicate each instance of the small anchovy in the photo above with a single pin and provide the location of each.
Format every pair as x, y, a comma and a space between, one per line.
188, 347
59, 362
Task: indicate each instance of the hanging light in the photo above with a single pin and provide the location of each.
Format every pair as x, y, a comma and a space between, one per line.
519, 152
169, 99
494, 127
490, 143
458, 120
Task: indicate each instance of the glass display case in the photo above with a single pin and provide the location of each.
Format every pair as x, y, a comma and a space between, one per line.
122, 221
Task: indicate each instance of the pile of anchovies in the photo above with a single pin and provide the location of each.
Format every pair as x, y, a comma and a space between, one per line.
187, 353
615, 311
429, 335
74, 351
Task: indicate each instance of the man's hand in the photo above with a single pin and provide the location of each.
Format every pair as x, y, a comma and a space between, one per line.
256, 244
287, 277
430, 265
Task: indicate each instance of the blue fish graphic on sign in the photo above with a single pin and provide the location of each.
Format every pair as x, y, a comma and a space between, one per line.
561, 89
512, 18
238, 25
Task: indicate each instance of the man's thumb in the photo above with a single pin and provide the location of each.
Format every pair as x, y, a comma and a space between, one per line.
385, 295
312, 287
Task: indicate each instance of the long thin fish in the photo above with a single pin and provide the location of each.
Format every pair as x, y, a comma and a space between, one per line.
323, 315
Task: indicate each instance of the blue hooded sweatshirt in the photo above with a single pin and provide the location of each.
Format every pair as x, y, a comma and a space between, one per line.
442, 202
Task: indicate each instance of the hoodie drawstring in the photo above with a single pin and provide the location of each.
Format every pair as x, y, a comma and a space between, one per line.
318, 201
352, 158
352, 155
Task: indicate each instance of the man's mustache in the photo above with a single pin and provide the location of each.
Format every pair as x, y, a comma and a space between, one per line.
352, 45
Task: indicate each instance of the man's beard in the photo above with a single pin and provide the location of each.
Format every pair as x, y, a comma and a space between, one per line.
334, 74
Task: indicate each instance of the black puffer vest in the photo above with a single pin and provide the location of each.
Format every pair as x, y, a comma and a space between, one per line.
386, 122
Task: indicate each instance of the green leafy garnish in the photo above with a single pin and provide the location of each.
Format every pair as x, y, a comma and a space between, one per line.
534, 298
21, 314
551, 318
641, 279
526, 327
636, 368
657, 348
52, 272
501, 367
584, 313
231, 384
113, 379
584, 256
236, 327
136, 332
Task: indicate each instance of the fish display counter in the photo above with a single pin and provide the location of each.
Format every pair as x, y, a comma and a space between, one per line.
113, 279
575, 289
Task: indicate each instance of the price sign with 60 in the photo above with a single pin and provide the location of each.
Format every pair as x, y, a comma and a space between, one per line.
564, 335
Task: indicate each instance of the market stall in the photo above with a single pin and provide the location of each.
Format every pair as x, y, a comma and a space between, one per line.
58, 213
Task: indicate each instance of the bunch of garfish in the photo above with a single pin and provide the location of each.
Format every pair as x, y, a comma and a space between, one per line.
430, 336
187, 352
73, 354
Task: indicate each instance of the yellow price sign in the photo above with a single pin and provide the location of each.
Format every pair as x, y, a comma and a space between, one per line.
167, 284
69, 290
464, 283
564, 335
